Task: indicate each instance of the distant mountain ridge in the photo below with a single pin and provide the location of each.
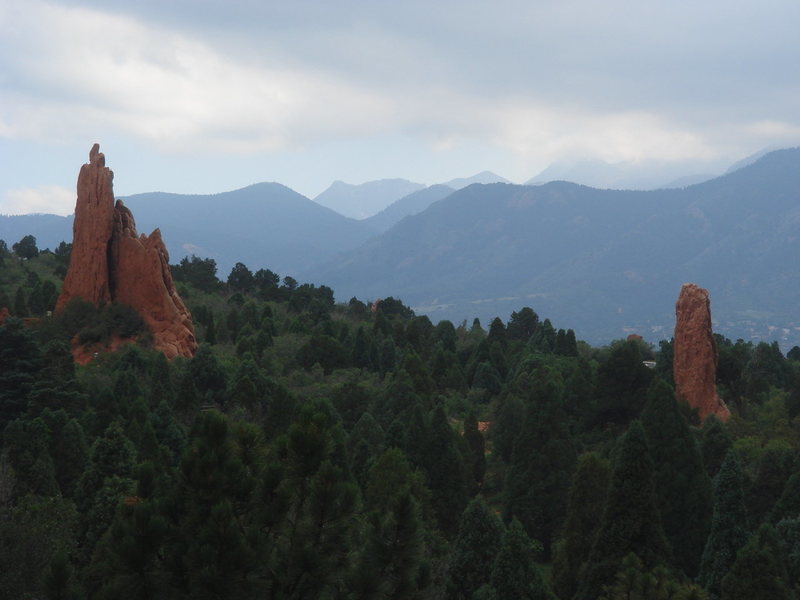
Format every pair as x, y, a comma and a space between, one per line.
366, 199
262, 225
603, 261
482, 177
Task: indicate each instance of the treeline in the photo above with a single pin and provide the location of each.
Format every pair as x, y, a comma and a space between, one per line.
356, 450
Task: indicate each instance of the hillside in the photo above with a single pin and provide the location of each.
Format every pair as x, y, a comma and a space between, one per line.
607, 261
262, 225
49, 230
412, 204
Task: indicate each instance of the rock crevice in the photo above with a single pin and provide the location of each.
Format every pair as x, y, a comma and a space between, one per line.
110, 262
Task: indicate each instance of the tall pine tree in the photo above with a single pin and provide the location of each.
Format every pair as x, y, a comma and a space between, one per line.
683, 490
631, 519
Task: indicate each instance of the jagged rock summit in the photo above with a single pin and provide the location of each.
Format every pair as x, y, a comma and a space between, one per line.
110, 262
694, 363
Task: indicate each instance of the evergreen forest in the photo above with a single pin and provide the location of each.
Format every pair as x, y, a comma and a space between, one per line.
321, 450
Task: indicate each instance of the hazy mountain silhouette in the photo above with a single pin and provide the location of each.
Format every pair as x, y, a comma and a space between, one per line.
627, 175
367, 199
406, 206
49, 230
262, 225
482, 177
603, 261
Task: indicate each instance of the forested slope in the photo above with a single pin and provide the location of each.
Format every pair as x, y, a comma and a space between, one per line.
320, 450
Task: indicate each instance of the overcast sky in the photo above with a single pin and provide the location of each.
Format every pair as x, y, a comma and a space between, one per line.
204, 96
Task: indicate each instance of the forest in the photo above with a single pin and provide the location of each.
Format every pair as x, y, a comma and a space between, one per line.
321, 450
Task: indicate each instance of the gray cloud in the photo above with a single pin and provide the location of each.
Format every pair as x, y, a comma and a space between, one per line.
530, 82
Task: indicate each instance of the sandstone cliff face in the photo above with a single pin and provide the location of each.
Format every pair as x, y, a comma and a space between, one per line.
695, 354
111, 262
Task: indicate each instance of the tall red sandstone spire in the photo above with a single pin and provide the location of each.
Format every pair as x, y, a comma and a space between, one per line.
111, 262
694, 363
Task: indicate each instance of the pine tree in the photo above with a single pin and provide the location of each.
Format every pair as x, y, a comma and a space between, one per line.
444, 472
716, 442
683, 490
774, 469
515, 573
788, 505
477, 446
542, 462
728, 526
631, 520
587, 497
475, 548
757, 573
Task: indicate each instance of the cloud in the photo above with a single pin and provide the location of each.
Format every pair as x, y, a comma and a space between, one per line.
79, 71
540, 80
50, 199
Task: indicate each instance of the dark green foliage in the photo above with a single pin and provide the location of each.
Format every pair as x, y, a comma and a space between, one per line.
444, 472
515, 573
32, 533
631, 520
729, 529
476, 460
788, 531
715, 444
788, 504
26, 247
271, 497
634, 582
774, 469
683, 489
241, 278
20, 363
522, 324
508, 425
542, 462
622, 382
475, 548
585, 506
758, 572
324, 350
27, 444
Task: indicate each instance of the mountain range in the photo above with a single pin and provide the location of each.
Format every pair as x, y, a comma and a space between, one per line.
604, 262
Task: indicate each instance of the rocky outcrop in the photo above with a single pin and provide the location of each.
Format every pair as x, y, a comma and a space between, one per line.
111, 262
694, 364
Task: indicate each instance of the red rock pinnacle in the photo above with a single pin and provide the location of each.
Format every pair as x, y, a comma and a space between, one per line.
694, 363
111, 262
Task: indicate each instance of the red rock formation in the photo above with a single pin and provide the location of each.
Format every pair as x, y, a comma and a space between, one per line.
694, 362
88, 274
111, 262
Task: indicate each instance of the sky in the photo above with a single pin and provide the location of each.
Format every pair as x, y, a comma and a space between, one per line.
205, 96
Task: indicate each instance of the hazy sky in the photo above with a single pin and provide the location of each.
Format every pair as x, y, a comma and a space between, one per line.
210, 95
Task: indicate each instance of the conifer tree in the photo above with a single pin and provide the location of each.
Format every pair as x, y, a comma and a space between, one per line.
683, 490
542, 462
788, 505
774, 469
444, 472
758, 572
728, 526
715, 443
475, 548
515, 573
477, 446
585, 505
631, 520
